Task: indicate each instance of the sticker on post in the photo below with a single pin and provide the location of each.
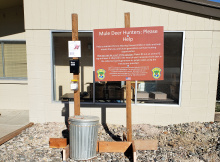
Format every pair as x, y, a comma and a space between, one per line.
74, 48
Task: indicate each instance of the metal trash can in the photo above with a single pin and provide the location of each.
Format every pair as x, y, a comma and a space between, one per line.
83, 137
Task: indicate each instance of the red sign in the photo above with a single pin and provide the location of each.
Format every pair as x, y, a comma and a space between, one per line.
122, 54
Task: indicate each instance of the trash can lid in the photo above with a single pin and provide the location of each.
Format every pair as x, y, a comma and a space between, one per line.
81, 118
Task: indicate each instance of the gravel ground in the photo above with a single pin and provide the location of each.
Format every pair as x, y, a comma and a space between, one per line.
182, 142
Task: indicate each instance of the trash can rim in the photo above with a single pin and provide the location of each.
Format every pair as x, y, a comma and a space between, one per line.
82, 118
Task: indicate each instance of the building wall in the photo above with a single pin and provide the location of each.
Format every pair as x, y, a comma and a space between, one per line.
13, 93
200, 63
12, 23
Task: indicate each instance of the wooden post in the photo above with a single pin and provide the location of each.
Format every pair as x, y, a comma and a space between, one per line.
76, 76
128, 92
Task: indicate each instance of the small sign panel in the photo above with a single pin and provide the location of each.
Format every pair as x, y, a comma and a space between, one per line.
74, 86
123, 54
74, 66
74, 48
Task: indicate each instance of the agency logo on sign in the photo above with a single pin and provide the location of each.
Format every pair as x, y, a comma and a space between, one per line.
156, 72
101, 74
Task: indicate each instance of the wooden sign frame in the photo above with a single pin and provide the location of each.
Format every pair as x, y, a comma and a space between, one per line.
128, 92
103, 146
76, 76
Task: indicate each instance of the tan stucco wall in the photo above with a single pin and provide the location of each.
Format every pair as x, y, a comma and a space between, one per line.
200, 69
13, 93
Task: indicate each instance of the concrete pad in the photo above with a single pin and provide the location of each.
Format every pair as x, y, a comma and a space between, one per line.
11, 120
8, 129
